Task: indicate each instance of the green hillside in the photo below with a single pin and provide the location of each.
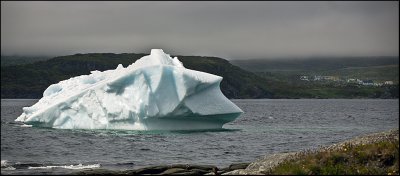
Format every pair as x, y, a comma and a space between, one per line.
30, 80
376, 73
365, 68
286, 75
313, 64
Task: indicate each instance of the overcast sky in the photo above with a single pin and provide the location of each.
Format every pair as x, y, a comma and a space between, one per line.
233, 30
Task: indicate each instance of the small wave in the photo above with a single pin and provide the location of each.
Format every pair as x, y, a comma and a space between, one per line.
25, 125
79, 166
8, 168
4, 163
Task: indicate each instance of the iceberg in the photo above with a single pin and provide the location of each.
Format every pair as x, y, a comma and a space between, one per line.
154, 93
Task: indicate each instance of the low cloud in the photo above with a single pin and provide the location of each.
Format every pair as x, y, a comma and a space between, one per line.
233, 30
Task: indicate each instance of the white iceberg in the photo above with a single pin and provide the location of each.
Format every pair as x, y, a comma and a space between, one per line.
155, 93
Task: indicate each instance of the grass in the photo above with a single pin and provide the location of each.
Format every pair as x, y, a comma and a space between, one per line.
376, 73
380, 158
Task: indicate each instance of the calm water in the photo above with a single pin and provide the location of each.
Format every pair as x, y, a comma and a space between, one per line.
266, 127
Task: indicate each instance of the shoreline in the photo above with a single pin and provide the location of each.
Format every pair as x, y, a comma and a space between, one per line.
260, 166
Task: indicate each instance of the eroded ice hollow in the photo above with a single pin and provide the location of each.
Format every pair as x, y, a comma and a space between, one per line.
155, 93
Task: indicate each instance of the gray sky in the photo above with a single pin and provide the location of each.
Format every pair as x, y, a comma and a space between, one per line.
233, 30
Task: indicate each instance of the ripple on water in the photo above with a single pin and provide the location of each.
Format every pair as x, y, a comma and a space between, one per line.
295, 124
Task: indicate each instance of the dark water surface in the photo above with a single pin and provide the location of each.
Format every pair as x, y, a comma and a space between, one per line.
266, 127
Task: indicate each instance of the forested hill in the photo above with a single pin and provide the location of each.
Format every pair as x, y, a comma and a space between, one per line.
30, 80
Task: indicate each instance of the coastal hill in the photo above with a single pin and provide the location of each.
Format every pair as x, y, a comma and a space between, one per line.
28, 77
329, 77
30, 80
313, 63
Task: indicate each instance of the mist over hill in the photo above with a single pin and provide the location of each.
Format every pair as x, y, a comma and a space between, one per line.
20, 60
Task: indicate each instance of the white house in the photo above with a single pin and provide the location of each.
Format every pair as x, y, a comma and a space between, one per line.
304, 78
388, 83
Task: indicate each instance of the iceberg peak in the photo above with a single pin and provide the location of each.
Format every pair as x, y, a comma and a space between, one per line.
155, 93
155, 52
158, 57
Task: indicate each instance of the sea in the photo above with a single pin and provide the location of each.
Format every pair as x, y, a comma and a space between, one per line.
267, 126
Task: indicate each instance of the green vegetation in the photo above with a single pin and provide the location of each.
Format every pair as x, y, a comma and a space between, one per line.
333, 91
285, 85
380, 158
30, 80
378, 69
313, 64
374, 73
288, 87
285, 74
282, 81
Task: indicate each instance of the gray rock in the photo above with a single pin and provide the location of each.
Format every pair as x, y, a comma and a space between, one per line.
200, 171
97, 172
182, 166
192, 172
263, 164
173, 171
202, 167
176, 169
150, 170
237, 166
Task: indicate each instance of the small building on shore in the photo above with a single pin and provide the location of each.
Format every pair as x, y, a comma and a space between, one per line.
304, 78
388, 83
368, 83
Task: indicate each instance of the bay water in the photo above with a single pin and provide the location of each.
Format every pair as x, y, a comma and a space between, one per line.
268, 126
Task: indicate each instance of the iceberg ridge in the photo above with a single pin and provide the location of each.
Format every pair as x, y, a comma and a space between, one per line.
155, 93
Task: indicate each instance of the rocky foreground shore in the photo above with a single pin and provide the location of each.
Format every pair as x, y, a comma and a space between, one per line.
261, 166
